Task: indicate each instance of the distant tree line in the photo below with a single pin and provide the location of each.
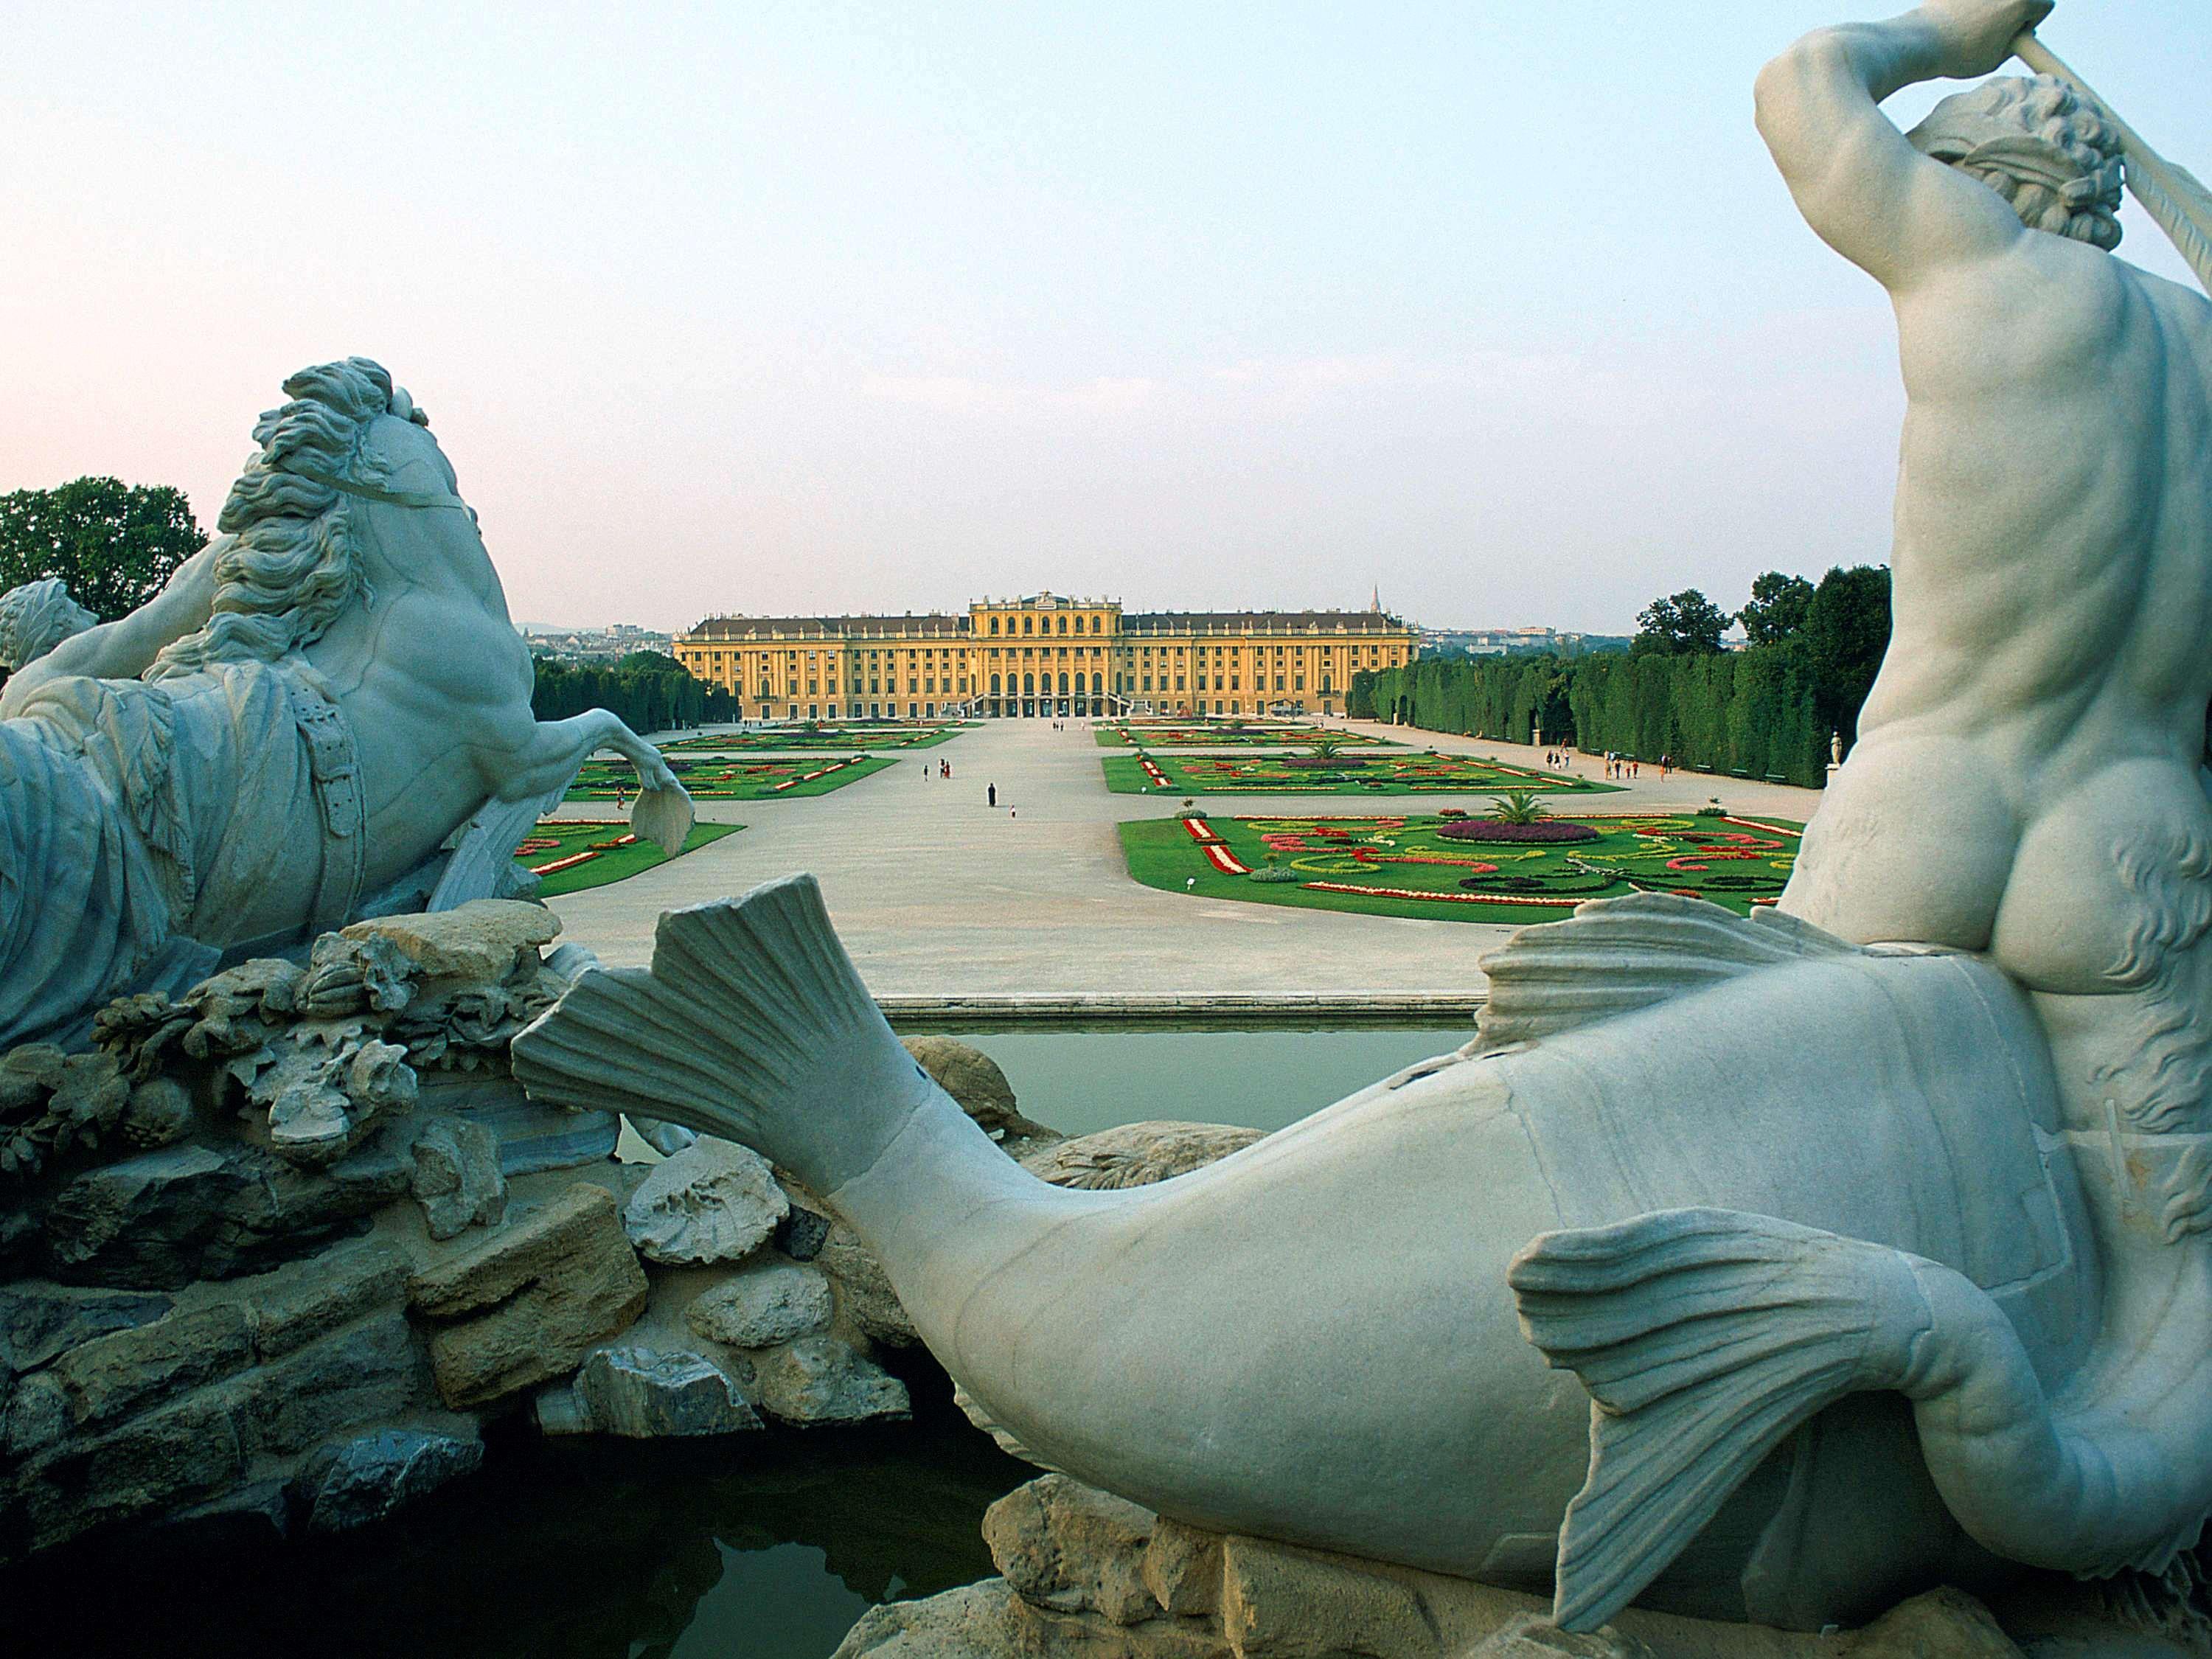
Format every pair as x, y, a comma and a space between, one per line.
113, 543
649, 690
1765, 711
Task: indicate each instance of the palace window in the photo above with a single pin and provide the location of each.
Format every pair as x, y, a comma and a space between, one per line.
994, 624
1029, 624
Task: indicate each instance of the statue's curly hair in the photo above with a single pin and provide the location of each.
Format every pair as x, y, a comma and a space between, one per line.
2053, 156
294, 564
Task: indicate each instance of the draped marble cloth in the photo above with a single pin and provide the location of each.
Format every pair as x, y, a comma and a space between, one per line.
138, 823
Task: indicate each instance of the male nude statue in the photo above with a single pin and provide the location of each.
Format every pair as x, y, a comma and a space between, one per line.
286, 736
2027, 780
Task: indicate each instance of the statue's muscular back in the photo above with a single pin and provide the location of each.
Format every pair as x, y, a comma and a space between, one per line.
2026, 777
433, 678
2041, 712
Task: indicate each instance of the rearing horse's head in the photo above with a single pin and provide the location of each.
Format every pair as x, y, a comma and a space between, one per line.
292, 556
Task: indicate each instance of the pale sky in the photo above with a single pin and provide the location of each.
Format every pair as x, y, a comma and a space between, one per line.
829, 307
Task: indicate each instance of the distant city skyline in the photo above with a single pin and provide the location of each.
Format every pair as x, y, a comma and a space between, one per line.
814, 310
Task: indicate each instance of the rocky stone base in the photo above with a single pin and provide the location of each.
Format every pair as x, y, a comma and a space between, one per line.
276, 1250
1088, 1575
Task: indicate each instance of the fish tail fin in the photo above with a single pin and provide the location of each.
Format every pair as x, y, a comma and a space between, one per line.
1615, 956
753, 1023
1705, 1337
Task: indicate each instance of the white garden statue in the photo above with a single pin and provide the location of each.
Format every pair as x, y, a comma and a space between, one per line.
325, 715
1874, 1231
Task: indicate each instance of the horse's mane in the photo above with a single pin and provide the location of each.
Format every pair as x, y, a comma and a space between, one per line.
295, 563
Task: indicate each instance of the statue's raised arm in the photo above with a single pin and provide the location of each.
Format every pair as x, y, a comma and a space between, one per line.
326, 713
54, 644
1904, 208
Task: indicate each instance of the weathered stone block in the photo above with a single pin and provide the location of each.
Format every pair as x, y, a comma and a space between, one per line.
369, 1373
479, 940
38, 1320
864, 1289
457, 1177
817, 1379
763, 1304
145, 1220
124, 1372
37, 1415
175, 1456
713, 1201
370, 1477
309, 1299
528, 1303
1069, 1547
185, 1213
644, 1394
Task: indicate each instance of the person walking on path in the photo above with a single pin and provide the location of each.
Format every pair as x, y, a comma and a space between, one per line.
991, 795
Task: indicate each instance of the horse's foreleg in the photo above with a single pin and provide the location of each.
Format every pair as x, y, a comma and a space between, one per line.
553, 751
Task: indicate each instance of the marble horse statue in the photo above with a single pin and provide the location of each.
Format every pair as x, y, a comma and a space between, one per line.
1766, 1268
325, 715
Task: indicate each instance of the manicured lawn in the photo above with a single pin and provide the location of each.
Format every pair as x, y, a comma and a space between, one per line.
1337, 774
821, 739
1403, 867
736, 779
592, 851
1193, 734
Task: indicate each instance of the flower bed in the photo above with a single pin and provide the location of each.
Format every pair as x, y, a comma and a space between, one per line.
566, 854
1417, 866
822, 738
1326, 775
731, 779
1199, 734
1543, 830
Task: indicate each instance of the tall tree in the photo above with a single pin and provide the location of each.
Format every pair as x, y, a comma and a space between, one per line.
1682, 624
1847, 631
114, 543
1777, 608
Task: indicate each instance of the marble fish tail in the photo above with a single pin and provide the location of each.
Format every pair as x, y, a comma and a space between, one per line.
1706, 1335
753, 1023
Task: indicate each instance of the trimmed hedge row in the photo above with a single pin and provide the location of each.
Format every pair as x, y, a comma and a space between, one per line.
645, 697
1755, 712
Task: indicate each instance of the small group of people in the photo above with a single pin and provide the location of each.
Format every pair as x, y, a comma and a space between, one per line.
1620, 767
1555, 760
943, 769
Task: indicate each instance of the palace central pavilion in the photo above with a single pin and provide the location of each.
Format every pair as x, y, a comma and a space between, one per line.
1045, 655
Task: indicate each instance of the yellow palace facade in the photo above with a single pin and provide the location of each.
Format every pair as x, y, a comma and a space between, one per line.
1044, 655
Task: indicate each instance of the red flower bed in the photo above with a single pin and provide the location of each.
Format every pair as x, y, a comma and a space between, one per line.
1320, 762
1543, 830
